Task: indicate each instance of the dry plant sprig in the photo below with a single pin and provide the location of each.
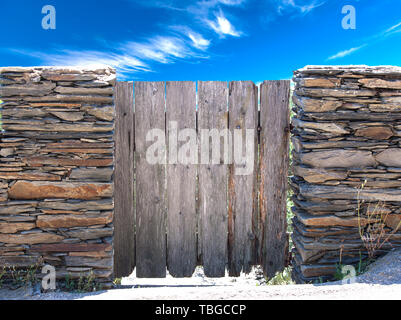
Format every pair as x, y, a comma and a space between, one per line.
375, 235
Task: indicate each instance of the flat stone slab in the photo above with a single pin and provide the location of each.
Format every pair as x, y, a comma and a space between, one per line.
25, 190
339, 159
354, 69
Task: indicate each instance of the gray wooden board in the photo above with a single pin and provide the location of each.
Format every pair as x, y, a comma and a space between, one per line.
274, 144
243, 219
124, 237
150, 183
212, 114
181, 184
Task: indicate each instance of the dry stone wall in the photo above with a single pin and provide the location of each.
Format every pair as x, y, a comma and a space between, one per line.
346, 141
56, 169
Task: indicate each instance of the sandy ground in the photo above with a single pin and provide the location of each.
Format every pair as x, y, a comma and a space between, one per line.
382, 281
357, 291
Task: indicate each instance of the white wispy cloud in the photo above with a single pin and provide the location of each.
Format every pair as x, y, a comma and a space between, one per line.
222, 26
309, 7
163, 49
127, 57
369, 41
392, 30
302, 6
198, 41
203, 13
175, 43
232, 2
345, 53
90, 58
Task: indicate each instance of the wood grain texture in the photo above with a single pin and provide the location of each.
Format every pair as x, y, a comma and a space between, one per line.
243, 218
274, 145
181, 184
124, 219
212, 114
150, 183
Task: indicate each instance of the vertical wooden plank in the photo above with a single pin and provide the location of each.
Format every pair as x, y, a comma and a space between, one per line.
212, 115
181, 182
243, 218
150, 182
274, 145
124, 237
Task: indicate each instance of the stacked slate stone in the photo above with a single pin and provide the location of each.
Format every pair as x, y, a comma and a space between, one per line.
56, 167
346, 154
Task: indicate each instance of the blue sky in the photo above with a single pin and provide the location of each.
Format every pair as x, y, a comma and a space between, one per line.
201, 40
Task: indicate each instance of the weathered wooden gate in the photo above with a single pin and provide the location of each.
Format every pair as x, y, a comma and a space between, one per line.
180, 215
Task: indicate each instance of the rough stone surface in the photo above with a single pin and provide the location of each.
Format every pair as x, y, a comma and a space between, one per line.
346, 165
56, 169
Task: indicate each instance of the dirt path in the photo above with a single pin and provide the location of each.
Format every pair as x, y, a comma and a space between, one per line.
288, 292
382, 281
